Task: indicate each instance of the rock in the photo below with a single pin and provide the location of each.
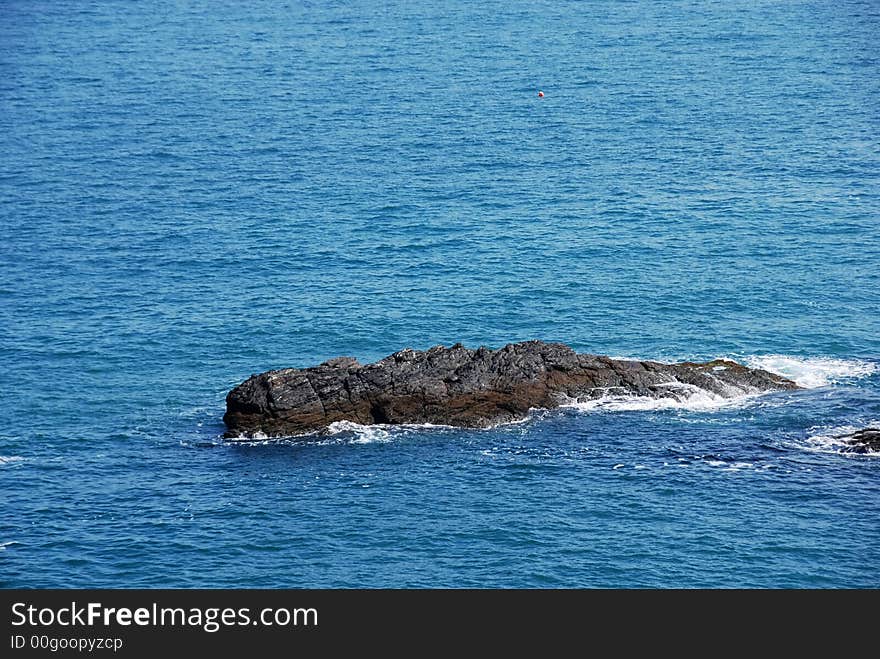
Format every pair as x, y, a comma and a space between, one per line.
866, 440
469, 388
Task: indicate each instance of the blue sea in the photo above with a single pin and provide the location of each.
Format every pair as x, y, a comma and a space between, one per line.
193, 192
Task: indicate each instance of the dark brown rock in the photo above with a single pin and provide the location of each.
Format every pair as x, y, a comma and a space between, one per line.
462, 387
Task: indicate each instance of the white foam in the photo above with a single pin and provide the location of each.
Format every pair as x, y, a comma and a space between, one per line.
4, 545
348, 432
808, 372
724, 465
833, 440
533, 413
812, 372
687, 397
8, 459
377, 433
363, 434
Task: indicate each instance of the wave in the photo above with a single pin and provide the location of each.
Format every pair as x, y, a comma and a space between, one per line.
688, 397
350, 432
9, 459
345, 432
833, 439
808, 372
813, 372
359, 433
733, 465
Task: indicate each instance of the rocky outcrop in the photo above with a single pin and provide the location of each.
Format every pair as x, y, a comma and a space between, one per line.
462, 387
866, 440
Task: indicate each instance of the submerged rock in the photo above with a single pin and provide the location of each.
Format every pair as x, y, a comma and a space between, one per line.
459, 386
866, 440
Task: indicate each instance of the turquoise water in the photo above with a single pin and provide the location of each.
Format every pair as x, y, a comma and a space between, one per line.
194, 192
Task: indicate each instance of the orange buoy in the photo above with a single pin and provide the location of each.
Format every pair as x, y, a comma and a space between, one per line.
540, 94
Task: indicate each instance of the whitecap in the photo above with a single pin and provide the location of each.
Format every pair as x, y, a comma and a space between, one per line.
687, 397
833, 439
374, 433
812, 372
9, 459
363, 434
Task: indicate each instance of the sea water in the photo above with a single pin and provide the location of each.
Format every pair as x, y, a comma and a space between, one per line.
194, 192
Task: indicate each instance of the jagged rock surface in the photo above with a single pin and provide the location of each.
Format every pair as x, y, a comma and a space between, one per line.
464, 387
866, 440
